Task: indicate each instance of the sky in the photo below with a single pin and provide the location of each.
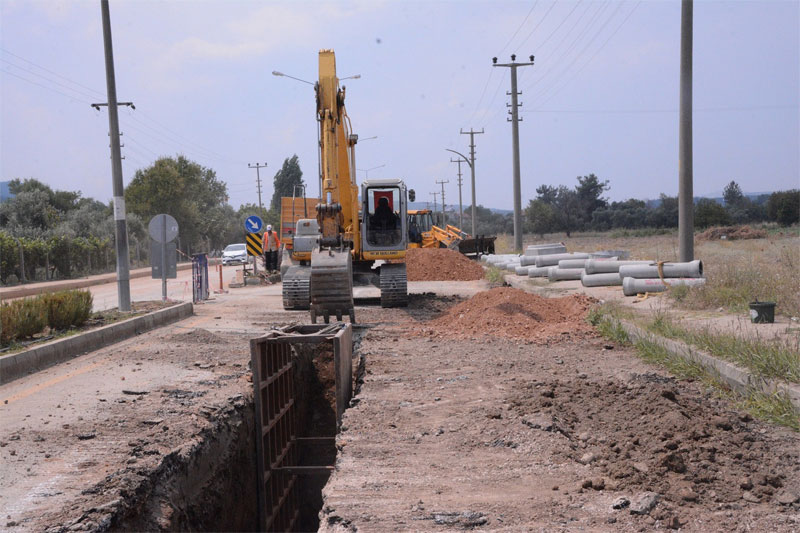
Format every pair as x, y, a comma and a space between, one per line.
602, 96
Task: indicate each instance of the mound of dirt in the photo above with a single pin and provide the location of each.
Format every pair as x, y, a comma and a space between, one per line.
440, 264
732, 233
516, 314
197, 336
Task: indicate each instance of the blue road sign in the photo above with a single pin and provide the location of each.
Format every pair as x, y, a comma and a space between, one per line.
253, 224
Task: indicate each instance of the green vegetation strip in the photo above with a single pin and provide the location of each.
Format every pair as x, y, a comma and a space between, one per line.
775, 407
774, 358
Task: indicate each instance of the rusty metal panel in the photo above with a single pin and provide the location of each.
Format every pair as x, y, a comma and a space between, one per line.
343, 364
276, 418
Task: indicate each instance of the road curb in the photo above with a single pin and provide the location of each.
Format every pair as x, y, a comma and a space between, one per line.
739, 379
21, 364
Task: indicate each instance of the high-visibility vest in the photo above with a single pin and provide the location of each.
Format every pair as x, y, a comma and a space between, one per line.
270, 242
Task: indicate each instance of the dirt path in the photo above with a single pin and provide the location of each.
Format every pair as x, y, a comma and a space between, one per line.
500, 434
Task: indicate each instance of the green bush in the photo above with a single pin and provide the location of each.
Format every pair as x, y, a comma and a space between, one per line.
67, 308
26, 317
22, 318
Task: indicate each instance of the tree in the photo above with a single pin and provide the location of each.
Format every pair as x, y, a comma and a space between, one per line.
547, 193
285, 180
732, 194
568, 210
541, 217
589, 191
708, 212
784, 207
186, 190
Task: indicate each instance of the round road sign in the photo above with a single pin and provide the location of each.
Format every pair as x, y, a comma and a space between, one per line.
253, 224
162, 226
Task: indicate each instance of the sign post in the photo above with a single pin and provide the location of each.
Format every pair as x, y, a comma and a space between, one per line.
252, 225
163, 257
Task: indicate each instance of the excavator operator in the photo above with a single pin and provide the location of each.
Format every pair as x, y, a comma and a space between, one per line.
384, 218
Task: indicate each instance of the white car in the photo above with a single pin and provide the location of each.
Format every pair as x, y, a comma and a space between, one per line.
234, 254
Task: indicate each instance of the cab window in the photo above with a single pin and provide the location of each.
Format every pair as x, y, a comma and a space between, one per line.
383, 222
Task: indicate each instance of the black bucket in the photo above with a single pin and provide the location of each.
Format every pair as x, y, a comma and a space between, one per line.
762, 312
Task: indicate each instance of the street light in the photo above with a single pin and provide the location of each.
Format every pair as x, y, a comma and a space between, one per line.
368, 138
276, 73
357, 76
366, 170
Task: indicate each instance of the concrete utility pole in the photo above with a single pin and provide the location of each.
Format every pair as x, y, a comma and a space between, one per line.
444, 216
121, 228
685, 177
460, 205
515, 119
258, 166
434, 202
472, 134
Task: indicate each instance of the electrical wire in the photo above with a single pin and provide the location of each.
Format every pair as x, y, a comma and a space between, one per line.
518, 28
71, 97
537, 26
52, 72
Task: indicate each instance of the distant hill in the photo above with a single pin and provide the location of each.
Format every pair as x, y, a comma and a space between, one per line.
756, 197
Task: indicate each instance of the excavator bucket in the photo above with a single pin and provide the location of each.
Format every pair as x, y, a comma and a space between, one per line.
331, 285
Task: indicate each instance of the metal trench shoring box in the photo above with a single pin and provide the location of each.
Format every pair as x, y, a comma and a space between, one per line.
272, 361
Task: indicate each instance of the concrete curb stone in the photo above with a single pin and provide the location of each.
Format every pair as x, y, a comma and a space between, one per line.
17, 365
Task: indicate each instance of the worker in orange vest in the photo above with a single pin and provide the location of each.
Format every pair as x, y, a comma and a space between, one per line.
270, 245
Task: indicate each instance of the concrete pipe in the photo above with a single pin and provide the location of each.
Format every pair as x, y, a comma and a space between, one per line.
522, 270
562, 274
572, 263
604, 266
512, 267
545, 249
553, 259
608, 254
538, 272
528, 260
692, 269
634, 286
504, 258
600, 280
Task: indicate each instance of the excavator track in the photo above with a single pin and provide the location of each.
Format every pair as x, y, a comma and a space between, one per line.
297, 287
394, 285
331, 285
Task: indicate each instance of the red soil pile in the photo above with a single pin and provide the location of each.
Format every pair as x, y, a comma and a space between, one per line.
440, 264
516, 314
732, 233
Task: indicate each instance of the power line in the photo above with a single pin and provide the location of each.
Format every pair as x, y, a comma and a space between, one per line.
581, 53
656, 111
537, 26
593, 55
71, 97
67, 87
561, 24
98, 93
518, 28
484, 118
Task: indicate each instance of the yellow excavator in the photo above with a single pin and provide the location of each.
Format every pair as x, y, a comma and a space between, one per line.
363, 238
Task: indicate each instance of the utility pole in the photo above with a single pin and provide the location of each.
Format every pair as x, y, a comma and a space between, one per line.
258, 180
434, 201
685, 176
472, 134
120, 223
515, 118
444, 217
460, 205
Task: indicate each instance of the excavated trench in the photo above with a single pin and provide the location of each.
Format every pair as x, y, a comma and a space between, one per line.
211, 483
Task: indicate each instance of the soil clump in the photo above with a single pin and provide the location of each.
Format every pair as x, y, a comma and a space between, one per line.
440, 264
512, 313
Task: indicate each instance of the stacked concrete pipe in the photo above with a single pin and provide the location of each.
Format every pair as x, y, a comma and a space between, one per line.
634, 286
605, 266
562, 274
545, 249
606, 279
553, 259
692, 269
537, 272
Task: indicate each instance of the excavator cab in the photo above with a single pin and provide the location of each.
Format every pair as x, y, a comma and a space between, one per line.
384, 215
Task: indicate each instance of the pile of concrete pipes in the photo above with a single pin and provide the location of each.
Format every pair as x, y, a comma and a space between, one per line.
598, 269
637, 279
